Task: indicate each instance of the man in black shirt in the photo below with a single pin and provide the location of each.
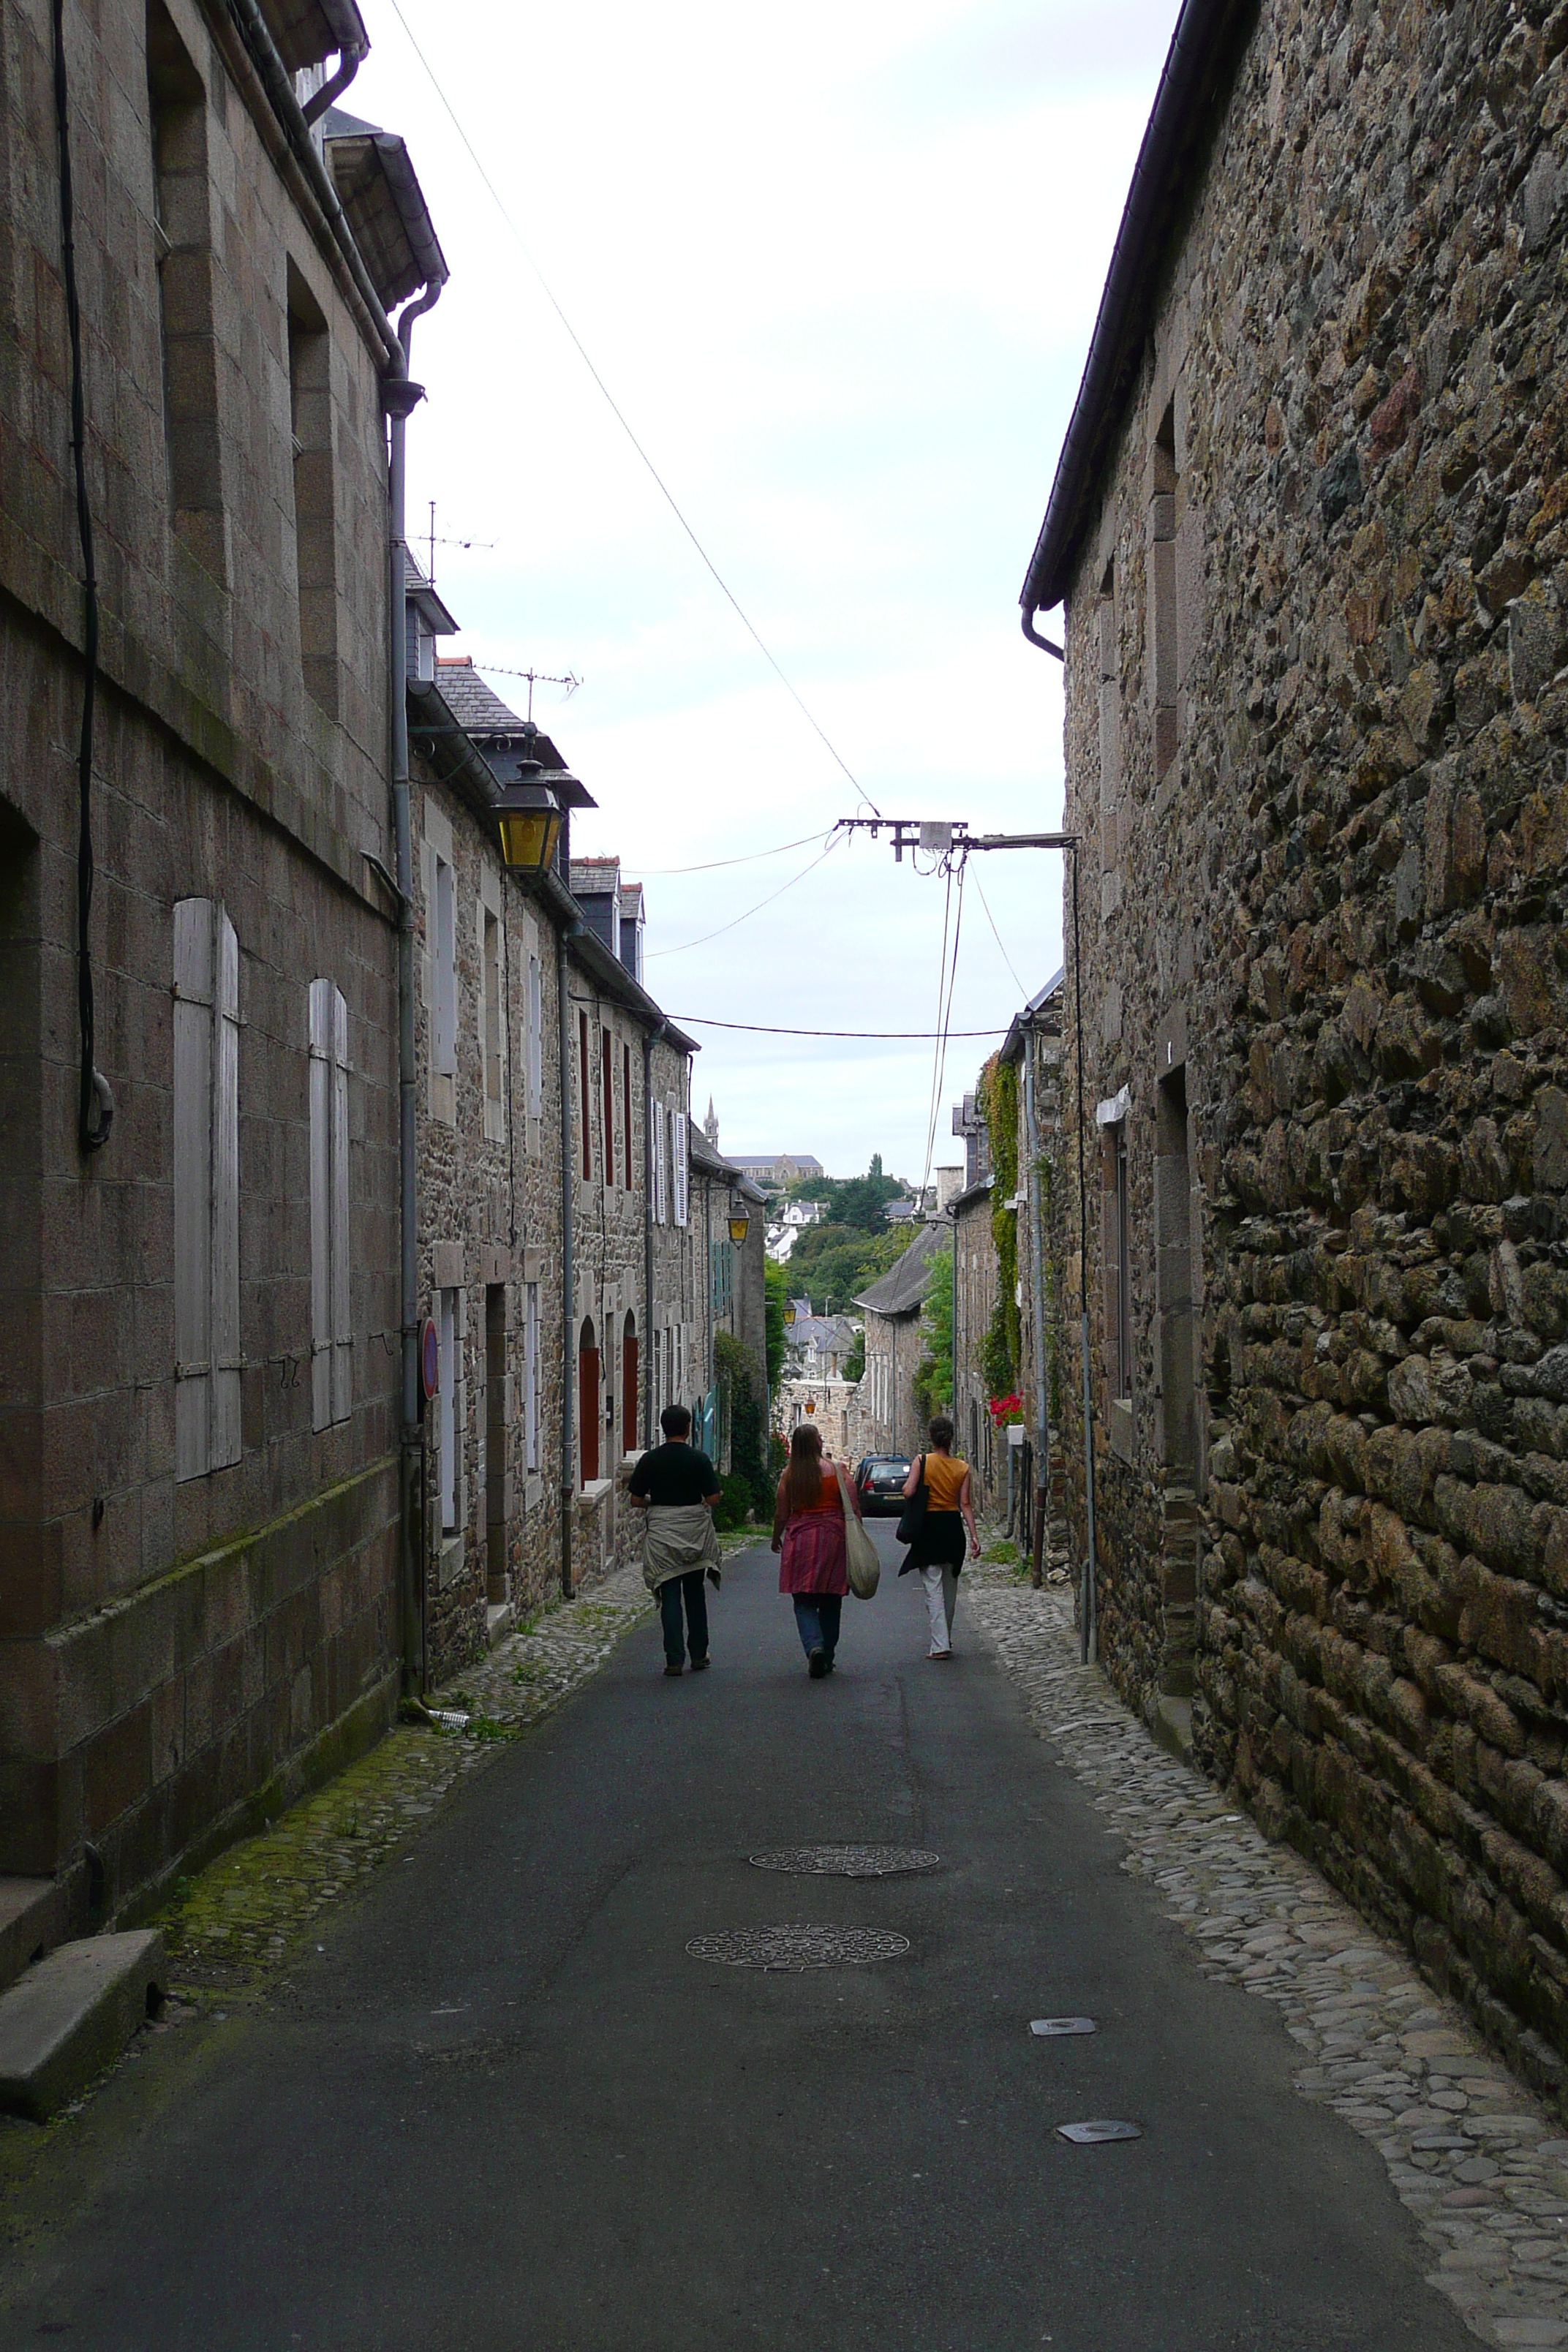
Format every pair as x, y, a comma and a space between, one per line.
678, 1486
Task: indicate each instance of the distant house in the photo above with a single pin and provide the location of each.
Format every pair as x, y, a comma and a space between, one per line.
892, 1422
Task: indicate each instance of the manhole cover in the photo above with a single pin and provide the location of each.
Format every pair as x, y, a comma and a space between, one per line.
846, 1860
791, 1949
1090, 2134
1050, 2027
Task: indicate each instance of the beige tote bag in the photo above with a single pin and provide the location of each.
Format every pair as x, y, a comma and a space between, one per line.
860, 1552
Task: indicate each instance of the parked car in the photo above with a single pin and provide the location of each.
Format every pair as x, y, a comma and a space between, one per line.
879, 1483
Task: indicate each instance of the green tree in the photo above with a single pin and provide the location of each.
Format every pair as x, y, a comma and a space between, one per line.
743, 1414
836, 1261
854, 1361
932, 1382
775, 1280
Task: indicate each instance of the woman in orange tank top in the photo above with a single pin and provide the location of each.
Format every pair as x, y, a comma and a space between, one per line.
937, 1547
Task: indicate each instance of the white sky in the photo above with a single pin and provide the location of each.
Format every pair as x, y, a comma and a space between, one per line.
838, 265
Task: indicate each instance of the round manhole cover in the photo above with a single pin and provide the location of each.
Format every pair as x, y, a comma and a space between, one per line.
793, 1948
846, 1860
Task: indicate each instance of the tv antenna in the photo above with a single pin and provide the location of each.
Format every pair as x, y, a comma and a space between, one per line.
487, 544
570, 681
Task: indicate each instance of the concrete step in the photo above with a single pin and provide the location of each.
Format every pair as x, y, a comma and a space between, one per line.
33, 1919
71, 2013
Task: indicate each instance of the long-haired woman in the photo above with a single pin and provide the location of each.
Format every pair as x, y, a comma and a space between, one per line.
808, 1533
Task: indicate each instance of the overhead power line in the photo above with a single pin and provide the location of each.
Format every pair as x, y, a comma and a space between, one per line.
833, 840
752, 857
767, 1029
618, 412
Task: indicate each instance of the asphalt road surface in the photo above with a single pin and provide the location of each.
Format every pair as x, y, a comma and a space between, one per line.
504, 2109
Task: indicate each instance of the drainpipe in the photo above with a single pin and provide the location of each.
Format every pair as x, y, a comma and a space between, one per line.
349, 64
1037, 1248
707, 1308
651, 1039
568, 1299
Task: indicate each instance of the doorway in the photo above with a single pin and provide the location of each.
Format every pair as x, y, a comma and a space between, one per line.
630, 1385
588, 1401
495, 1444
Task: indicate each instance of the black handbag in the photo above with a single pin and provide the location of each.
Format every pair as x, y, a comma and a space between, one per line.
913, 1516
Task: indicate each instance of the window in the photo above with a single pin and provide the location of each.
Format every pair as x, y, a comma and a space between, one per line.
627, 1103
443, 1009
723, 1276
583, 1095
535, 1039
679, 1166
607, 1083
490, 1021
315, 520
1174, 1276
493, 1422
453, 1415
1119, 1270
531, 1375
332, 1333
206, 1188
182, 230
1110, 724
1162, 615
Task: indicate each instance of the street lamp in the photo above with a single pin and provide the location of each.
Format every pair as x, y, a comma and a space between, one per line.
789, 1310
528, 817
740, 1220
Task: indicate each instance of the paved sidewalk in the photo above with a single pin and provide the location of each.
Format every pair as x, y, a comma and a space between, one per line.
1479, 2162
249, 1910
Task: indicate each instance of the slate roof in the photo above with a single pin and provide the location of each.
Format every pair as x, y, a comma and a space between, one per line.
308, 32
594, 877
902, 1289
495, 726
385, 206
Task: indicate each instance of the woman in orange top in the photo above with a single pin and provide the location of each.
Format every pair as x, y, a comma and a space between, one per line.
937, 1547
808, 1533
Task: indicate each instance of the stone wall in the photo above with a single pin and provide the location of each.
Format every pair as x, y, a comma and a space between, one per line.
173, 1649
1315, 737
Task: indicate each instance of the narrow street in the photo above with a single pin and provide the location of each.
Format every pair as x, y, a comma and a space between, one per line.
502, 2104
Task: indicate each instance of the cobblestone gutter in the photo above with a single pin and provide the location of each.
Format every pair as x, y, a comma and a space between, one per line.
242, 1915
1479, 2162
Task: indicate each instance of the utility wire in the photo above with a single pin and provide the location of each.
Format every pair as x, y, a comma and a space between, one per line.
833, 840
997, 936
753, 857
619, 414
763, 1029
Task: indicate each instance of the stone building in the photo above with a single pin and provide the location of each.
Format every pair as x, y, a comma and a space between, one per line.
727, 1212
892, 1422
1307, 533
973, 1305
200, 1415
1033, 1047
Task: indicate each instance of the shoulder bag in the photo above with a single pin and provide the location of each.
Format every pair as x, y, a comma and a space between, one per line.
859, 1552
914, 1512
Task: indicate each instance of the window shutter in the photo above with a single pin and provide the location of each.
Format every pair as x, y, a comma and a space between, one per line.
681, 1157
226, 1198
660, 1196
320, 1204
193, 1185
343, 1317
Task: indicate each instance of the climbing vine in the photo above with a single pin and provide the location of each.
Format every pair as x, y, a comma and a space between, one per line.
1002, 1351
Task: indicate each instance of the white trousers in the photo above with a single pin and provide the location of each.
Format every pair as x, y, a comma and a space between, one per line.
942, 1597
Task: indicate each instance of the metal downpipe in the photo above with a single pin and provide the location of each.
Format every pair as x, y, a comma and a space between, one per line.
651, 1039
568, 1277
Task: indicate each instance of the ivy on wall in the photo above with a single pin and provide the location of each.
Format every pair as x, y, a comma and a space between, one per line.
1001, 1353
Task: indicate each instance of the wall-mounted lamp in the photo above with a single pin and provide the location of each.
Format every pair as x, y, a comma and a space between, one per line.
789, 1310
528, 818
740, 1220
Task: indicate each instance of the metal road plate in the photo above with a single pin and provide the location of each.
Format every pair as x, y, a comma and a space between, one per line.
846, 1860
790, 1949
1090, 2134
1050, 2027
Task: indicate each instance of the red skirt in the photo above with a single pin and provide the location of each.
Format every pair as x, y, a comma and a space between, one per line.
813, 1558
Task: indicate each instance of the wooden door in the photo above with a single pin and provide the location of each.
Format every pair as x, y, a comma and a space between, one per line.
588, 1404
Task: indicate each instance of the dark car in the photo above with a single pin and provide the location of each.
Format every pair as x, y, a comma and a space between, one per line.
879, 1483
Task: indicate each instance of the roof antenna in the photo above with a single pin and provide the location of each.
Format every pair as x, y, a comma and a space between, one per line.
487, 544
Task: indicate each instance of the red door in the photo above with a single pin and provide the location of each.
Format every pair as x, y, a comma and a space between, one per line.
588, 1404
629, 1387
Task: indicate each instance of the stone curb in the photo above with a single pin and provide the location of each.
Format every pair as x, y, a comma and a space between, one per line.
1472, 2154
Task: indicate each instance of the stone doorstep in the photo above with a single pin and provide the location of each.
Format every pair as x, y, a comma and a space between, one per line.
33, 1917
72, 2014
499, 1618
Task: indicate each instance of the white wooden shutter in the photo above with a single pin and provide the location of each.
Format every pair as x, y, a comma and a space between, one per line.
226, 1198
193, 1185
321, 994
343, 1312
660, 1198
680, 1155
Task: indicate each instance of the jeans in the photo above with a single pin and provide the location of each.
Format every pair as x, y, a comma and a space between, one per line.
941, 1583
817, 1616
669, 1594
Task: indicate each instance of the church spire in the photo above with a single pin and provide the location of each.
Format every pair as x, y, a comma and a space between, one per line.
710, 1125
